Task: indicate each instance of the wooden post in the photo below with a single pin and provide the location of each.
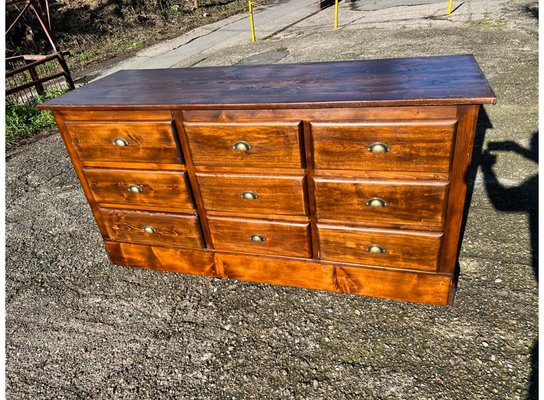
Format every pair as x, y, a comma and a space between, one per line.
34, 75
67, 75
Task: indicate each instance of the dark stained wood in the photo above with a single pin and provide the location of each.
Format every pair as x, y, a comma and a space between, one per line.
310, 126
272, 217
335, 114
159, 188
309, 172
124, 115
280, 238
276, 145
413, 145
177, 230
417, 203
379, 175
132, 165
464, 144
437, 80
249, 170
402, 285
276, 194
79, 172
403, 248
146, 141
193, 181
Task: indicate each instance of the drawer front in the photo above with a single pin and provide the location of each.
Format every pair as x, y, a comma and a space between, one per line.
284, 195
140, 187
261, 237
418, 146
161, 229
417, 203
380, 247
124, 141
245, 145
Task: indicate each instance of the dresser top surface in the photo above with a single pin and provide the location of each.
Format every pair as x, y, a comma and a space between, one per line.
438, 80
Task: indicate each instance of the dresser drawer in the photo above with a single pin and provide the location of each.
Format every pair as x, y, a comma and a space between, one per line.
420, 146
261, 237
380, 247
140, 187
284, 195
410, 203
160, 229
275, 145
152, 141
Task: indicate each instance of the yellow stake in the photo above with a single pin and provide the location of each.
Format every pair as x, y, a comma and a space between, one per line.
449, 7
336, 14
251, 20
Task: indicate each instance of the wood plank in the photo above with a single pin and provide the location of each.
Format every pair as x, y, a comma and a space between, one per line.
162, 229
185, 261
401, 248
195, 187
416, 203
414, 286
397, 285
132, 165
142, 141
276, 145
274, 194
76, 162
417, 146
439, 80
160, 189
126, 115
279, 238
321, 114
464, 145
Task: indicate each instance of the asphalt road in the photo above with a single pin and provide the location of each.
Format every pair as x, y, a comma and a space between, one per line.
79, 327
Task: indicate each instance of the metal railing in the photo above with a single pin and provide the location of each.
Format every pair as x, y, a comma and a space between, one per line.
29, 76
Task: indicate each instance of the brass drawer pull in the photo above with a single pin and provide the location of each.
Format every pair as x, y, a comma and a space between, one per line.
257, 238
378, 148
375, 249
249, 195
241, 146
120, 142
376, 202
135, 189
149, 229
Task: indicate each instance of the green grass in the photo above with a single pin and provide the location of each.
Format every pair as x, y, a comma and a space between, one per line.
25, 120
487, 22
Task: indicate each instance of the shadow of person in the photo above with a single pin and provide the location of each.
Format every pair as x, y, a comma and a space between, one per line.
521, 198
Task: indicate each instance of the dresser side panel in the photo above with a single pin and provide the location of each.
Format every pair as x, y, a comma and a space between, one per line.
76, 162
462, 158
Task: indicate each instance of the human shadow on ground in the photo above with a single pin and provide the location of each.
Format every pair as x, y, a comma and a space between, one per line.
522, 198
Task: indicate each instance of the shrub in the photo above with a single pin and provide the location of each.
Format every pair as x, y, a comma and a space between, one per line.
24, 120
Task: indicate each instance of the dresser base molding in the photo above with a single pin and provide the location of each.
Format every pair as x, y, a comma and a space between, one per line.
413, 286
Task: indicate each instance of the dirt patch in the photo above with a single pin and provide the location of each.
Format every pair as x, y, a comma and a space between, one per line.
101, 32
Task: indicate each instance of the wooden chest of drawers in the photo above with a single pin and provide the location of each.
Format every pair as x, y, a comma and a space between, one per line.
342, 176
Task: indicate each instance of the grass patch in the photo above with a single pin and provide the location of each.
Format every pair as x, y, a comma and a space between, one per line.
24, 120
488, 23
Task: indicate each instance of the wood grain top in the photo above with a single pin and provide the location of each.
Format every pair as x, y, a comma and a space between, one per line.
439, 80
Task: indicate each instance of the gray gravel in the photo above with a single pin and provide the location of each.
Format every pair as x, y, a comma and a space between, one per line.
79, 327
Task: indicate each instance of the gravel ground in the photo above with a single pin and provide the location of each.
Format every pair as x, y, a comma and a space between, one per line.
79, 327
